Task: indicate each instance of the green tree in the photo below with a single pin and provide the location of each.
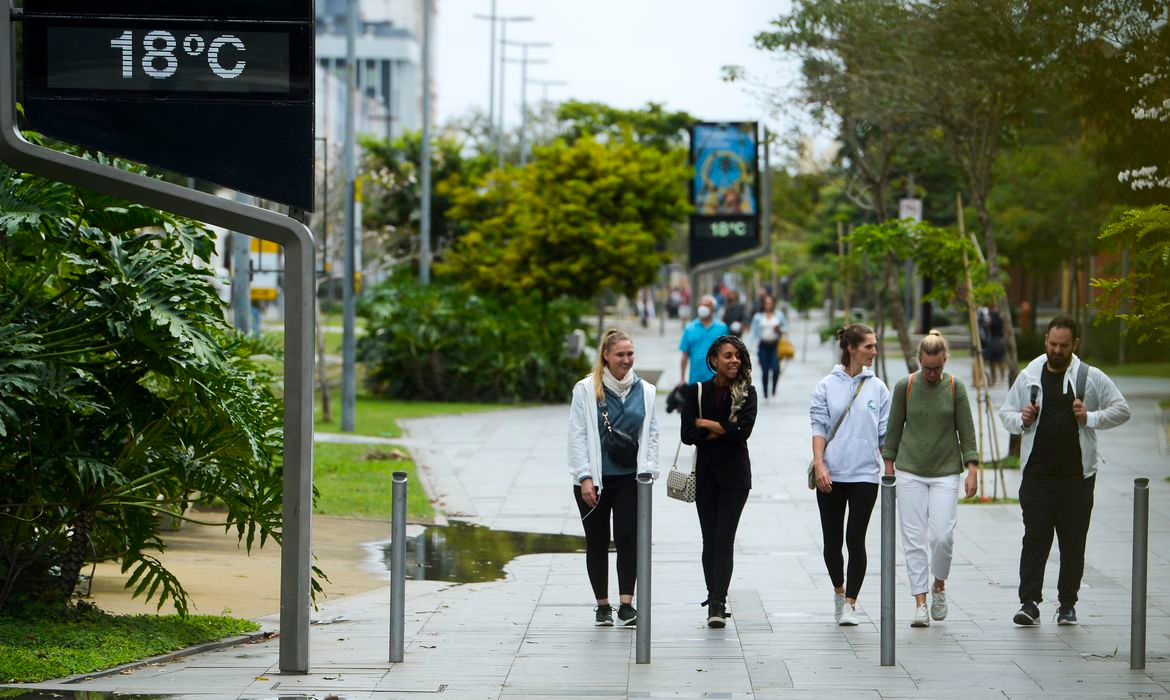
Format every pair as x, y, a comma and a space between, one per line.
651, 126
124, 394
1141, 298
853, 59
392, 193
581, 219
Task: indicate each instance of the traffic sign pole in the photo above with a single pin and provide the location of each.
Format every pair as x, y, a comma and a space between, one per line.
296, 572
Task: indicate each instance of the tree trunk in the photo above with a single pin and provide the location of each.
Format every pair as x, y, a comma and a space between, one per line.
898, 312
75, 558
322, 373
600, 316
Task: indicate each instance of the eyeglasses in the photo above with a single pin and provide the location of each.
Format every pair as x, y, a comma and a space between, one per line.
926, 369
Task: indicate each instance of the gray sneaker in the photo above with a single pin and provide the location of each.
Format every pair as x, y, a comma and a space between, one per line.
938, 605
838, 606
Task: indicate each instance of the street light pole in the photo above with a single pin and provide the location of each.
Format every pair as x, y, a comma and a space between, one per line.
424, 229
503, 74
491, 73
348, 300
524, 61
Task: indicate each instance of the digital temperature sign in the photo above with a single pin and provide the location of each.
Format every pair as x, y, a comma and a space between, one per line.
226, 98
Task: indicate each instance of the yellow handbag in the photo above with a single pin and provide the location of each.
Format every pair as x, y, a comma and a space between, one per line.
785, 350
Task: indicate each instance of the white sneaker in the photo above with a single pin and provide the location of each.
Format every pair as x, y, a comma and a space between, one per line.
848, 616
838, 606
921, 617
938, 605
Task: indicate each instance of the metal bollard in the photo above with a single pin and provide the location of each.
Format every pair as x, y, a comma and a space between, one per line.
645, 528
1137, 610
889, 498
398, 567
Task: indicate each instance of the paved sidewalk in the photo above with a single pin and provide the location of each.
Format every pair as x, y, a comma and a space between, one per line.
530, 635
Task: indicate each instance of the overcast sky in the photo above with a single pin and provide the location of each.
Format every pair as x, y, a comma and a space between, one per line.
621, 52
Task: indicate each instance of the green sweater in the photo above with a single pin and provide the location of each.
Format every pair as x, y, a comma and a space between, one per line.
935, 434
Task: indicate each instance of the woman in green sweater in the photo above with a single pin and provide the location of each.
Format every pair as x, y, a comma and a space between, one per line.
931, 436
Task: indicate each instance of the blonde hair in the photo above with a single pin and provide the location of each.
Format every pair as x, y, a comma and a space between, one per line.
932, 344
608, 339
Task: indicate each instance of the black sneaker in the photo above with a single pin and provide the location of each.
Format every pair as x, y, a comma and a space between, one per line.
1066, 616
1028, 615
715, 616
604, 616
627, 616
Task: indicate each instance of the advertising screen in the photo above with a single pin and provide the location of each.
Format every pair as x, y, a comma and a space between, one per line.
724, 157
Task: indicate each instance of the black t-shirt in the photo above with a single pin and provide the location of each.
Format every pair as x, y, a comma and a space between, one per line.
1056, 450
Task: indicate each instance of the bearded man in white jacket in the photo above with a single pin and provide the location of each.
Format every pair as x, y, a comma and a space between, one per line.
1058, 403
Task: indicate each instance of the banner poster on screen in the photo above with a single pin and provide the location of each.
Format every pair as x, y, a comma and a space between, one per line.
724, 189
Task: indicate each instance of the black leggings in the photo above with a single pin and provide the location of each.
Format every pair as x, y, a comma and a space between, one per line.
719, 511
619, 497
860, 498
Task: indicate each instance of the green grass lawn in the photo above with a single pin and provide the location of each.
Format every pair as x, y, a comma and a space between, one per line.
43, 644
377, 416
1138, 369
355, 481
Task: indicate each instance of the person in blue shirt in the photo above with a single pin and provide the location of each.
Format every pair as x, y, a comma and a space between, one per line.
697, 338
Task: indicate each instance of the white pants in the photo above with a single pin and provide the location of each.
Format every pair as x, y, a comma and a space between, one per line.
928, 508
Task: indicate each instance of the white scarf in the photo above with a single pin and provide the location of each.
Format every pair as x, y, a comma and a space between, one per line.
619, 387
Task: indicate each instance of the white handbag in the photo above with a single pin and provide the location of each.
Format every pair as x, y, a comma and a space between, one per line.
680, 485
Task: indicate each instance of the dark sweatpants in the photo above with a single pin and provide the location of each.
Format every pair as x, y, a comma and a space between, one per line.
1061, 506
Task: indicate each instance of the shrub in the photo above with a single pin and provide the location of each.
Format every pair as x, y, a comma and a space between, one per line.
445, 343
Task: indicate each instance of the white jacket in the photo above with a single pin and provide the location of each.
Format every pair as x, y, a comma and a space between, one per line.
585, 440
853, 455
1105, 405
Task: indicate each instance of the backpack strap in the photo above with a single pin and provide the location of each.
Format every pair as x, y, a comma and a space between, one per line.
1082, 380
909, 384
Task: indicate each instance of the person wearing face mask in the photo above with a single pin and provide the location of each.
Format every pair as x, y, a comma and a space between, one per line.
1058, 403
696, 341
611, 400
717, 418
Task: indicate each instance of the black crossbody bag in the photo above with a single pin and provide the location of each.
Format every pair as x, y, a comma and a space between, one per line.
622, 448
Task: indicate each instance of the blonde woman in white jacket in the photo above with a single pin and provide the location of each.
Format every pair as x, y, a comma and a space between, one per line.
612, 398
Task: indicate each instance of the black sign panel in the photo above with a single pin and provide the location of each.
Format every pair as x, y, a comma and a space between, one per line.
225, 100
724, 190
713, 238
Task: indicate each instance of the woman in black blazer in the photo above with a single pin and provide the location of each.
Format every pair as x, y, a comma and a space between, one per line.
723, 470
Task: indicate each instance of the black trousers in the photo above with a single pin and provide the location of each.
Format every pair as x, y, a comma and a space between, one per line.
858, 498
1061, 506
719, 510
619, 499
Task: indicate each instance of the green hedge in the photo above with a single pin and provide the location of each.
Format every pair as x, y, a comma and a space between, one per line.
445, 343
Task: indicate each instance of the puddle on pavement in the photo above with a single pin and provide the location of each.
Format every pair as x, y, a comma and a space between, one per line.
465, 553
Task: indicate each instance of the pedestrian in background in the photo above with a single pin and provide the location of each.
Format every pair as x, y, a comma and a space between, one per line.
614, 399
768, 327
853, 407
735, 314
696, 341
931, 436
1058, 403
717, 419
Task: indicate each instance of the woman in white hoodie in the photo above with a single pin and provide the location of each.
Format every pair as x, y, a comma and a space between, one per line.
612, 402
849, 412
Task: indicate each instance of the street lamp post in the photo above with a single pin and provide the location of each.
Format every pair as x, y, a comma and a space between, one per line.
503, 73
524, 61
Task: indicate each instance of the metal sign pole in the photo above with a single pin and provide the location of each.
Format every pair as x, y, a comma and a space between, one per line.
398, 567
645, 544
889, 498
295, 559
